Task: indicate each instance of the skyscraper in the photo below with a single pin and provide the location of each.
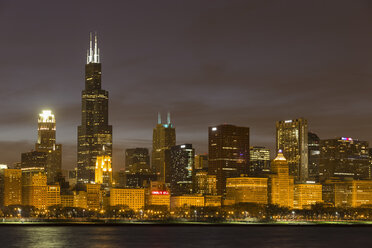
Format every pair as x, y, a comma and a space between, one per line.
94, 133
180, 170
228, 150
47, 154
313, 146
164, 137
137, 160
344, 157
291, 138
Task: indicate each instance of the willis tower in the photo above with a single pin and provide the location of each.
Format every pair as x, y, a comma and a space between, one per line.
94, 133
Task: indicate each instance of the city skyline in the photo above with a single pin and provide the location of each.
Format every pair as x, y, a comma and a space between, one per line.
196, 90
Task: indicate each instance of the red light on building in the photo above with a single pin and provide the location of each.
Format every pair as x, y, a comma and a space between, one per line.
160, 193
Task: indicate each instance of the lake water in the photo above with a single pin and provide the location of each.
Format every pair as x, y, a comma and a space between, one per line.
133, 236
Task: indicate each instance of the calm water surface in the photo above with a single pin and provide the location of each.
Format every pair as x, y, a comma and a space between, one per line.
184, 236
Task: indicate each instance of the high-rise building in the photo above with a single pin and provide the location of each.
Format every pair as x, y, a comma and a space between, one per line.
180, 170
344, 157
103, 171
314, 152
94, 133
201, 162
137, 160
291, 138
47, 154
259, 160
228, 151
164, 137
10, 187
281, 184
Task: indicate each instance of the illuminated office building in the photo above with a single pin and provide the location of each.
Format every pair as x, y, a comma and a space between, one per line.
201, 162
180, 169
133, 198
81, 199
164, 137
307, 194
67, 200
348, 193
259, 160
94, 133
292, 139
228, 151
344, 157
53, 195
314, 153
103, 171
281, 184
246, 189
47, 154
10, 187
158, 194
34, 188
187, 200
94, 196
203, 183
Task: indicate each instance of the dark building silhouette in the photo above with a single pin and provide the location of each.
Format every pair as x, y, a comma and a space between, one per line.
94, 133
180, 170
228, 150
138, 172
344, 157
314, 152
164, 137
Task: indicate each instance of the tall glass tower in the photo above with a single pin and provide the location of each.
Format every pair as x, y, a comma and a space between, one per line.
94, 133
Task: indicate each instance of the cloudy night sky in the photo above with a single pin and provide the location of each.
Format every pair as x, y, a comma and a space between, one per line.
247, 63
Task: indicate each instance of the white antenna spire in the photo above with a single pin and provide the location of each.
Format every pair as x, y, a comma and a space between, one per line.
159, 118
168, 118
95, 48
93, 54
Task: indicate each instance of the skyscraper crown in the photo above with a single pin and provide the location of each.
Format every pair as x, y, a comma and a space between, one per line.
93, 52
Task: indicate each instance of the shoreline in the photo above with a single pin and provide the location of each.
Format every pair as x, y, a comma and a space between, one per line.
185, 223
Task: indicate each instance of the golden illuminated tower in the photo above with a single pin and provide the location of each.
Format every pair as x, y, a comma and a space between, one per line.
281, 184
47, 154
103, 171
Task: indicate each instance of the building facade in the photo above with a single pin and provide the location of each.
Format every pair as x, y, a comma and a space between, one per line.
259, 160
344, 157
246, 189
